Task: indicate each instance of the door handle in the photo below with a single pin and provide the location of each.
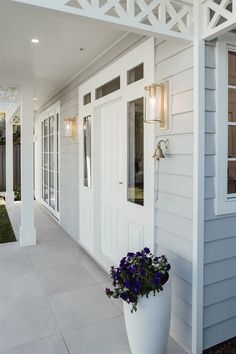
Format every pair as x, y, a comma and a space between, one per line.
120, 182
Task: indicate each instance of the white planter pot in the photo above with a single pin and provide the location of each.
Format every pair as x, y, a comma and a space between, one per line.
148, 327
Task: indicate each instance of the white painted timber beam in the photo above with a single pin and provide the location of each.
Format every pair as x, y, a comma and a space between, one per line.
27, 229
166, 18
12, 108
9, 166
198, 184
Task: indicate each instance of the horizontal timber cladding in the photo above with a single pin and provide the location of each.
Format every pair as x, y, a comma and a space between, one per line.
174, 62
220, 234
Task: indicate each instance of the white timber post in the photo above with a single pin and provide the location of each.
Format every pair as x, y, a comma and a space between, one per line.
198, 182
27, 230
9, 162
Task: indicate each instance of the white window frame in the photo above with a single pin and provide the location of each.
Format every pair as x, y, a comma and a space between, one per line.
52, 110
225, 203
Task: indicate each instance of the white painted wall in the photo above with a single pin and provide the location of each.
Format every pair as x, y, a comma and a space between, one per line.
220, 233
174, 62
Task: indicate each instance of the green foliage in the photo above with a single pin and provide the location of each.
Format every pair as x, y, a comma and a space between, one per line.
18, 193
6, 231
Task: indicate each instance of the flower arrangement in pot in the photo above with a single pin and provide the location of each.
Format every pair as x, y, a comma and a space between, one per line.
142, 281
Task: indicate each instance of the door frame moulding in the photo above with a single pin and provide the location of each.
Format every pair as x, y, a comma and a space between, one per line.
117, 68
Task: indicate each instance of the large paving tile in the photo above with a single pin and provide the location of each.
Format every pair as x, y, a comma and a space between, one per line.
45, 259
56, 245
94, 269
51, 345
10, 248
55, 233
15, 263
174, 348
26, 321
61, 279
82, 307
117, 302
101, 338
19, 287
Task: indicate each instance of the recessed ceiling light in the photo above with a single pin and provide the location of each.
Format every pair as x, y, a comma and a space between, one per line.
35, 40
35, 98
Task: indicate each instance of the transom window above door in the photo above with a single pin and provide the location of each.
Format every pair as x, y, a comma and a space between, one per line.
135, 74
107, 88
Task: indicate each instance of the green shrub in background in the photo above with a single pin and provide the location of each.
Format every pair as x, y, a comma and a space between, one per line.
18, 193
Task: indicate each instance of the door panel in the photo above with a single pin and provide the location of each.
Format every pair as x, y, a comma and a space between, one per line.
125, 222
113, 219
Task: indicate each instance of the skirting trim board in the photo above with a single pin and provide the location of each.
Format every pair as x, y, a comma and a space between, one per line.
227, 347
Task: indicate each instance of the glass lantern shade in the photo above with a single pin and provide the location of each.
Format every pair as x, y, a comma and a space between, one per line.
70, 128
157, 104
152, 103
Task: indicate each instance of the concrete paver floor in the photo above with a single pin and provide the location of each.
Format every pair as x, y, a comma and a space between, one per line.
52, 297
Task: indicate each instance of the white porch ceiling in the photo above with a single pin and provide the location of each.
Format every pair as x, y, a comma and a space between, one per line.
57, 58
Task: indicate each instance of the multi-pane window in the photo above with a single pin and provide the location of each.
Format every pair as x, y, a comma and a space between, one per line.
232, 123
58, 163
50, 162
136, 151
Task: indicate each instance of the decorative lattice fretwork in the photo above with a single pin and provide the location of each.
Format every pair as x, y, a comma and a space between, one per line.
167, 17
16, 120
219, 17
9, 94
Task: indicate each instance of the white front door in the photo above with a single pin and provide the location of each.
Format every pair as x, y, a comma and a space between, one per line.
112, 180
125, 193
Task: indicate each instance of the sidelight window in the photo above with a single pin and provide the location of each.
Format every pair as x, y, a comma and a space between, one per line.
87, 151
136, 151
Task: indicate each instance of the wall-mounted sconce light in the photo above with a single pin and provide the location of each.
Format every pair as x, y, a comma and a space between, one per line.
2, 115
158, 153
70, 130
157, 104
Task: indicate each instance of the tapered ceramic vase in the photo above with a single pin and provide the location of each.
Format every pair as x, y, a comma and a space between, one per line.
148, 327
